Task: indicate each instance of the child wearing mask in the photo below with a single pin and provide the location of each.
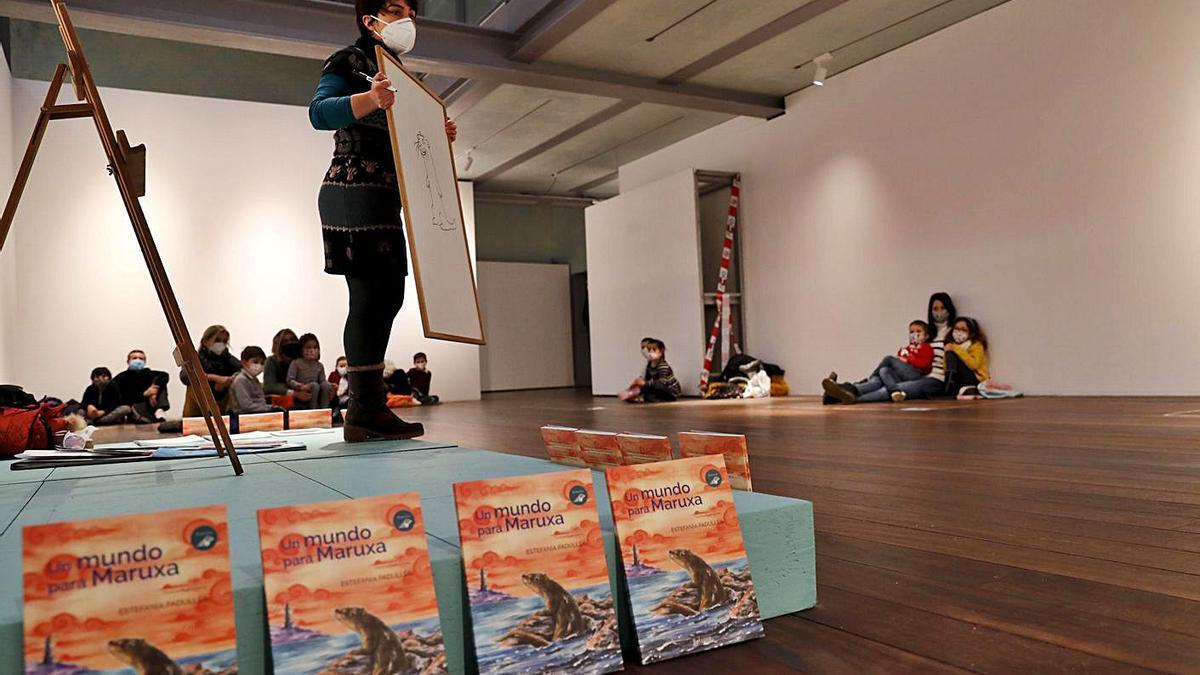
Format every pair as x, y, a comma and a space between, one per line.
966, 358
102, 400
340, 386
306, 373
419, 377
658, 383
247, 392
912, 362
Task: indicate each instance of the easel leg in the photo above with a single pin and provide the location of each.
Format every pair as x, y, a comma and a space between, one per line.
35, 143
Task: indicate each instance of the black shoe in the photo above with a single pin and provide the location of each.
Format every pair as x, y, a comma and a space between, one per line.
368, 418
842, 393
171, 427
826, 399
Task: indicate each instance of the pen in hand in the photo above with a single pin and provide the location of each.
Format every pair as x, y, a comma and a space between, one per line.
370, 79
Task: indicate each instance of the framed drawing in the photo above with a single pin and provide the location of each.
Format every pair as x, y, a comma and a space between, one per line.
433, 215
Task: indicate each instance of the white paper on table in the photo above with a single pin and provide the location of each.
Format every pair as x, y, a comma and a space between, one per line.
182, 441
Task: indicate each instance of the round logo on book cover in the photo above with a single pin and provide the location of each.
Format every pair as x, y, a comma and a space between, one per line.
404, 520
577, 494
204, 537
713, 477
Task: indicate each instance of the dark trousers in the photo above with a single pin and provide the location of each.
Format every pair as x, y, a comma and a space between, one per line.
958, 374
653, 392
375, 301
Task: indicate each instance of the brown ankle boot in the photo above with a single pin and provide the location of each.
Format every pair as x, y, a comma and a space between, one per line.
368, 418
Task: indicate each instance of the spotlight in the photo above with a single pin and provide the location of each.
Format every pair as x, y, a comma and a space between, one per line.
821, 68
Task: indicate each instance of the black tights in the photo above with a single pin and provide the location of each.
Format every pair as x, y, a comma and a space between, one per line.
374, 303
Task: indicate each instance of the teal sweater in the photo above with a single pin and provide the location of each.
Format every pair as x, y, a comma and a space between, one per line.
330, 107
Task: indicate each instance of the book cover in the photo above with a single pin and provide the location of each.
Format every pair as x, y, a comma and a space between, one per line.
310, 419
198, 427
644, 448
600, 449
730, 446
683, 559
537, 577
562, 446
269, 421
349, 588
144, 593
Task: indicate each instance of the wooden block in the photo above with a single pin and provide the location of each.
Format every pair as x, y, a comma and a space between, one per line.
310, 419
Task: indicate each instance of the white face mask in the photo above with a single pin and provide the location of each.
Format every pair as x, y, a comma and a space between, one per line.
398, 36
255, 369
941, 315
217, 348
959, 336
916, 338
342, 370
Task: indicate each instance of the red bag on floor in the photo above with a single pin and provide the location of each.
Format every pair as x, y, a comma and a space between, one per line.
30, 428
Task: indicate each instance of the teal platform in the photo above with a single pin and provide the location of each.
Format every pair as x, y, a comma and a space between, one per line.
778, 531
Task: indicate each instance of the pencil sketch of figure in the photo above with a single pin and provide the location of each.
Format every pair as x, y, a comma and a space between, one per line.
443, 217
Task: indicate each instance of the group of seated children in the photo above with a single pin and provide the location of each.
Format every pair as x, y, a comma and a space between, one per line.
135, 395
657, 383
292, 377
414, 382
945, 356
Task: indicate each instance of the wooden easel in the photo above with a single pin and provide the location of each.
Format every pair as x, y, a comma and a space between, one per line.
128, 166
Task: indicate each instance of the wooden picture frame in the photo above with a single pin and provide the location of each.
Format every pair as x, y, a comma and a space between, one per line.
445, 282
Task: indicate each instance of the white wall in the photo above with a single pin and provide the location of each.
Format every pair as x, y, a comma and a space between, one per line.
527, 311
644, 280
8, 278
1039, 161
232, 202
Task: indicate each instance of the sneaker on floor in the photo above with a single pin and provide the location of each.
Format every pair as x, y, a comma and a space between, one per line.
171, 427
839, 392
968, 392
899, 396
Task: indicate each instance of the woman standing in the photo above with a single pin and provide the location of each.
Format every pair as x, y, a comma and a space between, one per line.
360, 208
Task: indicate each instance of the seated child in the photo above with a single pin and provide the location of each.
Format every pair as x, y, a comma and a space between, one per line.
102, 400
419, 378
658, 383
340, 386
912, 362
306, 373
246, 392
966, 358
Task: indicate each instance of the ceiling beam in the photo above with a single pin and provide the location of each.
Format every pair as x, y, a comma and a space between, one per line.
773, 29
563, 136
527, 199
553, 24
314, 29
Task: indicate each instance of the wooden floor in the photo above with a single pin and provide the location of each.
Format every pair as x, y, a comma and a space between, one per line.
1039, 535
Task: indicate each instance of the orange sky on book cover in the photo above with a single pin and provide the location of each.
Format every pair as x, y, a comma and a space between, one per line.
652, 532
504, 555
315, 590
78, 619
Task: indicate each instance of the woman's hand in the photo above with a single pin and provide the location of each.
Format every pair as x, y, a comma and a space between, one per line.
451, 130
381, 94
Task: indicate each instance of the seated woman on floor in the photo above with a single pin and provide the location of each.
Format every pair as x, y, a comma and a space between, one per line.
219, 368
941, 314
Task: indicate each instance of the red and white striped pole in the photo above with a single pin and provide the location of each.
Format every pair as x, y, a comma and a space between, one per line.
722, 278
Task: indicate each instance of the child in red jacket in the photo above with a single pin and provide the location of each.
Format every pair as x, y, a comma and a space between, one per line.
913, 361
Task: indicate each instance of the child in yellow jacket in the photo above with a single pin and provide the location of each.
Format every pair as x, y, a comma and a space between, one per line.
966, 357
